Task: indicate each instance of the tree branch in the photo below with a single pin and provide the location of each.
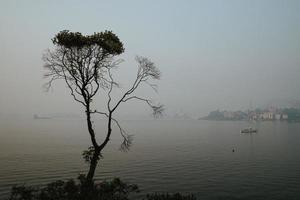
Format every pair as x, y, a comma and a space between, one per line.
127, 139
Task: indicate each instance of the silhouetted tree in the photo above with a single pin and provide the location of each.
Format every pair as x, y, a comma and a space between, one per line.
85, 64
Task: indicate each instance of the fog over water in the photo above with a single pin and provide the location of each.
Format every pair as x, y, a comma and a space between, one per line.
167, 156
212, 54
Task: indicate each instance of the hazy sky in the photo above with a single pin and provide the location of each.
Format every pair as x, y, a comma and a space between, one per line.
212, 54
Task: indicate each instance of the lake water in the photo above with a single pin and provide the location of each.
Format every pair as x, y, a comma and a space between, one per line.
166, 156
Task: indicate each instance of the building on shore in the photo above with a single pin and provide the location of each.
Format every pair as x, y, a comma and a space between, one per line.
278, 116
285, 117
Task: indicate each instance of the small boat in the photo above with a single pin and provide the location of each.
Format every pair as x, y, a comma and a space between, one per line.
249, 130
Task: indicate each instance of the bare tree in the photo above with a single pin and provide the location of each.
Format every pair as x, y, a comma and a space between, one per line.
85, 64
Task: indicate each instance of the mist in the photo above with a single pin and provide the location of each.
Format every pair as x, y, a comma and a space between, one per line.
212, 54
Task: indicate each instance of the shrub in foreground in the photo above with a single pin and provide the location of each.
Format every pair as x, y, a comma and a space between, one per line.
84, 190
70, 190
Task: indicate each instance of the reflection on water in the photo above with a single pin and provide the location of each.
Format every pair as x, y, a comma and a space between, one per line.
187, 156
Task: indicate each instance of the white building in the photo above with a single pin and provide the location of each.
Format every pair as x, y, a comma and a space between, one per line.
267, 116
285, 116
278, 116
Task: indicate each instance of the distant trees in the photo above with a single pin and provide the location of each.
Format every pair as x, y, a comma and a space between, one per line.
85, 64
226, 115
292, 113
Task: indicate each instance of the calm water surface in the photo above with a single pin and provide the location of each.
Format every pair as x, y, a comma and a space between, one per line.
186, 156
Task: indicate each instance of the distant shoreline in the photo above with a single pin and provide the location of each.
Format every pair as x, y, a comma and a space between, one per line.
245, 120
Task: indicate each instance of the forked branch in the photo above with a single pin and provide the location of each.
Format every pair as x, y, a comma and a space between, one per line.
146, 70
127, 139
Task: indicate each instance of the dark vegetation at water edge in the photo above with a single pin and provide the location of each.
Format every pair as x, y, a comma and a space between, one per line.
86, 190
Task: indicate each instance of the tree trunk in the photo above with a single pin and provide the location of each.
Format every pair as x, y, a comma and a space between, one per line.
97, 150
93, 165
90, 126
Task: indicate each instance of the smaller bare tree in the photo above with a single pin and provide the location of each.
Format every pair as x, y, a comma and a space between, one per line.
85, 63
